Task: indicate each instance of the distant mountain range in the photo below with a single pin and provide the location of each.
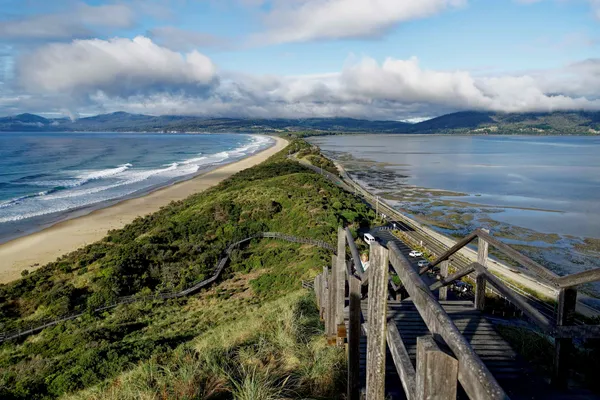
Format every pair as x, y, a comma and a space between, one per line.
471, 122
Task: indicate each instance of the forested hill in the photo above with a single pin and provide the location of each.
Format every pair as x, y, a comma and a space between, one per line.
472, 122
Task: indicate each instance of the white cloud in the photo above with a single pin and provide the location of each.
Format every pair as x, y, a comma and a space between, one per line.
404, 81
395, 89
139, 76
305, 20
78, 21
117, 67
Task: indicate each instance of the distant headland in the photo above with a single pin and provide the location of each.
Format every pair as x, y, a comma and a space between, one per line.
465, 122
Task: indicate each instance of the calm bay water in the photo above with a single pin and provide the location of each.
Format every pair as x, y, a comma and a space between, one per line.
546, 173
45, 177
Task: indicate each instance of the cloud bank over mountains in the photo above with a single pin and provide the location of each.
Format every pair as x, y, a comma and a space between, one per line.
139, 75
163, 73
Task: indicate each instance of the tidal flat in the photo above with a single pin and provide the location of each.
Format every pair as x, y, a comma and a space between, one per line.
457, 214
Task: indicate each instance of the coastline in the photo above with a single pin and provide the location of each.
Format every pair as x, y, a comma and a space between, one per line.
38, 249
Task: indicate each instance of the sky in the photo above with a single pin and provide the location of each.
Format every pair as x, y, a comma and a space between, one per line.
374, 59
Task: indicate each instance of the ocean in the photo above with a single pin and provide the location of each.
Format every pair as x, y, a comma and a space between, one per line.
49, 177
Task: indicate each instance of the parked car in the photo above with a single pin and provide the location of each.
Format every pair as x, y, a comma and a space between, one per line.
369, 238
462, 287
415, 253
423, 263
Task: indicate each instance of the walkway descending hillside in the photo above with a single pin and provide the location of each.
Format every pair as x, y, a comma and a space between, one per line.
514, 374
433, 346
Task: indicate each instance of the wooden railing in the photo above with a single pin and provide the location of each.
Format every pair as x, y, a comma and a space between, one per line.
457, 363
562, 328
38, 326
438, 242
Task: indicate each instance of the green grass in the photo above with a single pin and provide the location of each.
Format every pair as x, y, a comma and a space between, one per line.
167, 251
275, 352
538, 350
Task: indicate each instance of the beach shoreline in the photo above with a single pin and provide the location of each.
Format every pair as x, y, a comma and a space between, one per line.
39, 248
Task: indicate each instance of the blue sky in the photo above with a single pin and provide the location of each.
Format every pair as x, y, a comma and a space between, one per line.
373, 59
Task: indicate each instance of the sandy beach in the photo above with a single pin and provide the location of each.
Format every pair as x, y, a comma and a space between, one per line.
45, 246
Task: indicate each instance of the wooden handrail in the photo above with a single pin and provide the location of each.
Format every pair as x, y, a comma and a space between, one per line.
579, 278
537, 317
402, 361
459, 245
354, 251
541, 271
474, 376
454, 277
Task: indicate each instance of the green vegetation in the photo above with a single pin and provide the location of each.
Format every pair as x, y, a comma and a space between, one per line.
539, 351
274, 352
167, 251
314, 156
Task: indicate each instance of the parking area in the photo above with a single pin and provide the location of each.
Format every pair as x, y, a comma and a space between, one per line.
460, 290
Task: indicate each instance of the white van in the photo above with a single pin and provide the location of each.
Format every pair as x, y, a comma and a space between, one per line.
369, 238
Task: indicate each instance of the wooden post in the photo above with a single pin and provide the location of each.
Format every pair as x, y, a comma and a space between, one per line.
354, 339
331, 325
377, 319
480, 281
340, 287
317, 286
480, 285
437, 371
567, 301
443, 292
323, 293
402, 361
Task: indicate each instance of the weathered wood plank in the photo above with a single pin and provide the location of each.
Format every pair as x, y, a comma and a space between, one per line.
475, 378
537, 317
354, 251
459, 245
454, 277
317, 286
377, 318
331, 325
480, 286
542, 272
579, 278
437, 371
324, 294
340, 285
354, 329
567, 301
443, 292
402, 361
480, 281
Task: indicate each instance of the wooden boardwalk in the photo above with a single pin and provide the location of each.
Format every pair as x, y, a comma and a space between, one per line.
514, 374
428, 347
